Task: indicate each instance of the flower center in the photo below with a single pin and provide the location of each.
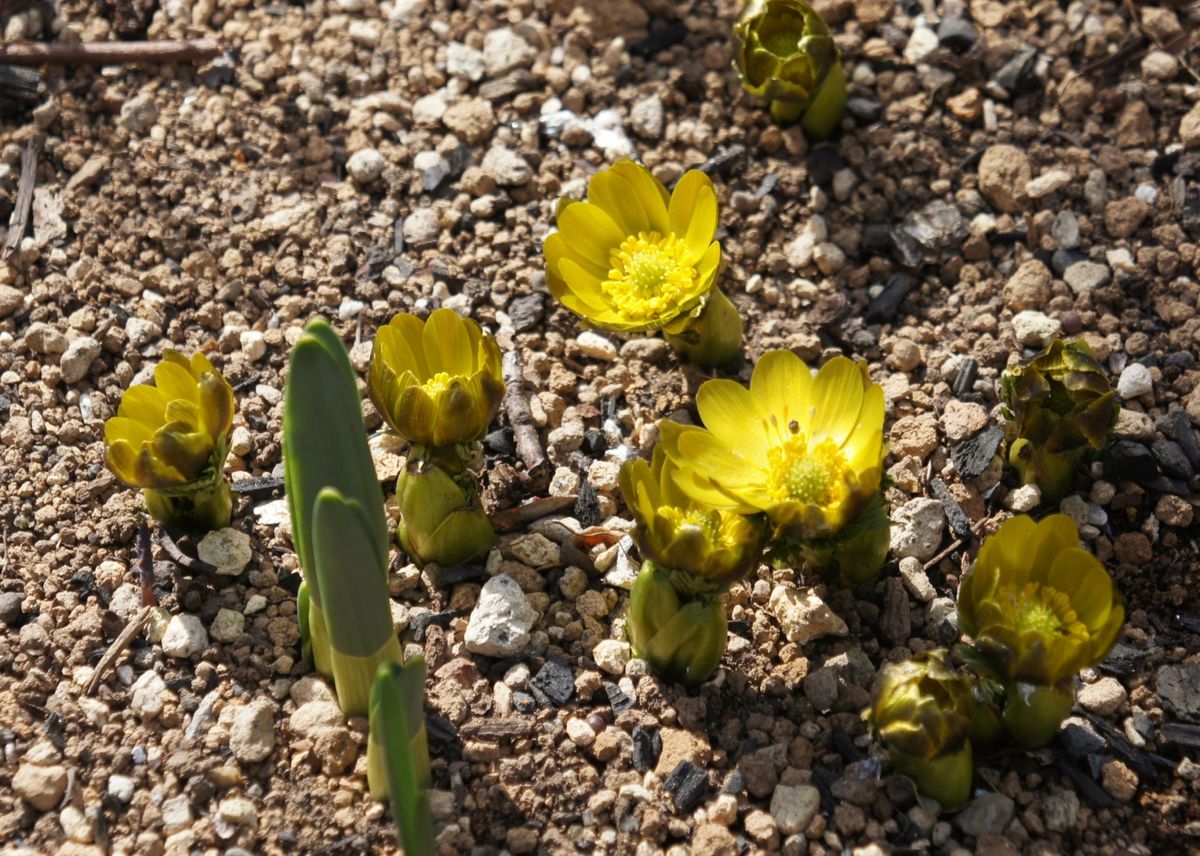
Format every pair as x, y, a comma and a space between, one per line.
648, 278
1043, 610
719, 529
814, 475
438, 384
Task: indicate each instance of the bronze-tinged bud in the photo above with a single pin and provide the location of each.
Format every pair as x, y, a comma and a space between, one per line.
683, 636
1060, 409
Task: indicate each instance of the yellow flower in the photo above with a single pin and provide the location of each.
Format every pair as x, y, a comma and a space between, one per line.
175, 432
634, 257
710, 548
1038, 605
436, 382
807, 450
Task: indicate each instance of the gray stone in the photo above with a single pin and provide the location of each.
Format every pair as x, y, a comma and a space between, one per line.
507, 167
504, 50
918, 528
794, 807
916, 580
646, 117
139, 113
1179, 687
1086, 276
987, 814
821, 688
252, 735
1061, 811
803, 616
185, 636
227, 550
77, 358
1135, 381
365, 165
421, 227
1065, 230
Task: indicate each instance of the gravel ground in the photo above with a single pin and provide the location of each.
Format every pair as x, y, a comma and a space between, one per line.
1005, 172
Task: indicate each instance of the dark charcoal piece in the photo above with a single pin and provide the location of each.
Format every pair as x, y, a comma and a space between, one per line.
1092, 792
523, 702
883, 308
1130, 461
647, 745
439, 729
964, 381
1183, 735
500, 443
258, 487
1145, 764
823, 780
424, 620
823, 162
686, 785
735, 783
587, 505
844, 746
877, 239
956, 33
1179, 428
1018, 74
554, 683
972, 456
1063, 259
865, 110
663, 35
455, 574
10, 608
617, 699
1080, 739
1123, 659
926, 236
594, 443
960, 524
1171, 459
527, 311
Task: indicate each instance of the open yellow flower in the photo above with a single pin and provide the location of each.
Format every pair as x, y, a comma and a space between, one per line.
807, 450
708, 548
1039, 608
436, 382
1038, 605
635, 257
171, 439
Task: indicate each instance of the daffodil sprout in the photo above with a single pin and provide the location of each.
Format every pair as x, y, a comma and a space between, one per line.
785, 55
636, 258
438, 384
805, 451
171, 440
692, 553
1038, 608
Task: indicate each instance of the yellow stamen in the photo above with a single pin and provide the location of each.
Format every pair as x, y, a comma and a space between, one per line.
1042, 609
720, 529
648, 278
438, 384
815, 475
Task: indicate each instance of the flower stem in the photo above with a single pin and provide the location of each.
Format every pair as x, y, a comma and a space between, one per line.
1032, 714
715, 338
822, 117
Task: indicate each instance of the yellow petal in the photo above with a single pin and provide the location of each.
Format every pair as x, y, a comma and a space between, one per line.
782, 385
1054, 534
694, 212
650, 196
707, 267
121, 459
398, 346
730, 472
590, 232
120, 429
866, 440
615, 195
175, 381
1079, 574
733, 417
556, 249
144, 404
446, 344
837, 400
583, 285
1009, 549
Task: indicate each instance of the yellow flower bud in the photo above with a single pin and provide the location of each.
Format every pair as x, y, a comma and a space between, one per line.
436, 382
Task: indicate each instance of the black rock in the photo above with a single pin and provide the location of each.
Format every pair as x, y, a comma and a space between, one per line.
455, 574
527, 311
617, 699
440, 730
523, 702
1171, 459
10, 607
877, 238
883, 308
554, 683
500, 443
864, 109
587, 505
663, 34
647, 745
964, 381
823, 162
1180, 360
1017, 75
1063, 259
960, 524
257, 487
735, 783
973, 455
1129, 461
1080, 738
957, 34
422, 621
1178, 427
686, 785
594, 443
1123, 660
925, 236
1181, 734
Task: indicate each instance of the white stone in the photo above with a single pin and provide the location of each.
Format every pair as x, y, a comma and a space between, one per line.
536, 551
252, 735
227, 626
1024, 499
254, 345
273, 513
430, 109
803, 616
501, 622
1135, 381
1086, 276
921, 44
917, 528
1035, 328
176, 814
185, 636
148, 695
646, 117
612, 655
916, 580
1047, 183
422, 226
77, 358
596, 346
464, 61
580, 732
507, 167
504, 50
228, 550
121, 787
365, 165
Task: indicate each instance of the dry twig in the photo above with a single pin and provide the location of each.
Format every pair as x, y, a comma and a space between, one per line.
119, 644
188, 563
529, 446
18, 223
110, 53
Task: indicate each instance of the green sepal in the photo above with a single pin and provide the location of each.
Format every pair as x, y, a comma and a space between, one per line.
325, 443
681, 637
201, 506
398, 752
946, 779
854, 556
439, 520
356, 612
822, 116
1032, 714
714, 338
1052, 472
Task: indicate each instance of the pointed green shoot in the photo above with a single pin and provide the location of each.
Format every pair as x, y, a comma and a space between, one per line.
398, 759
325, 445
352, 574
